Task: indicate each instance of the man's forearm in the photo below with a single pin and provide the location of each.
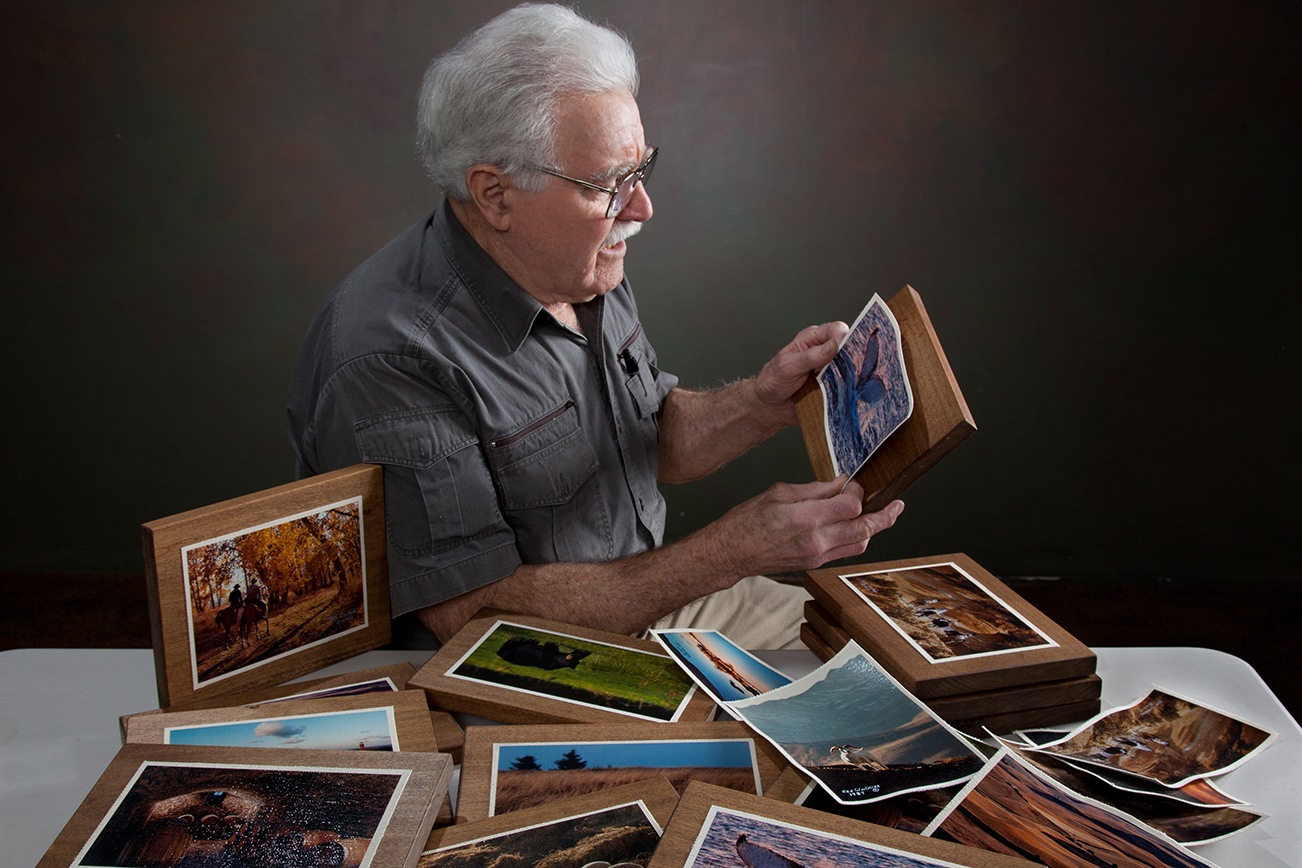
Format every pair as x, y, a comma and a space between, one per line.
621, 596
788, 527
702, 431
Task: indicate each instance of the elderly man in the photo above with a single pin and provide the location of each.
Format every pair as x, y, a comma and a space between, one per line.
492, 360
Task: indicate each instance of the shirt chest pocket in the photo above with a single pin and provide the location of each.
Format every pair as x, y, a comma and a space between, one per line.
640, 381
545, 462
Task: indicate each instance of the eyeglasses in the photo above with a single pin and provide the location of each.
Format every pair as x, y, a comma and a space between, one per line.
624, 187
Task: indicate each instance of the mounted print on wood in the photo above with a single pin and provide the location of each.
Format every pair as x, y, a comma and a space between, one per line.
713, 826
617, 826
853, 414
945, 626
172, 805
370, 722
508, 768
522, 669
267, 587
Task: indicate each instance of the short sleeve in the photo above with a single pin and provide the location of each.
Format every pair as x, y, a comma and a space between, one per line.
446, 534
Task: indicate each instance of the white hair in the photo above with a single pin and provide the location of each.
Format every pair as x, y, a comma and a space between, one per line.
492, 98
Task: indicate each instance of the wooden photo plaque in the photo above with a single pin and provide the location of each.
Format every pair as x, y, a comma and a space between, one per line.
378, 679
712, 824
613, 825
513, 668
373, 721
264, 588
1000, 710
336, 807
939, 422
509, 768
945, 626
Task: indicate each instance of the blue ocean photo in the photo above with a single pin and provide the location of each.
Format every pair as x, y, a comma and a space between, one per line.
736, 840
866, 390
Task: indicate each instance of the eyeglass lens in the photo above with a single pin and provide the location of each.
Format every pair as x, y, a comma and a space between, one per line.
629, 184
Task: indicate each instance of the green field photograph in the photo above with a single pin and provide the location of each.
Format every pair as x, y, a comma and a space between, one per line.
627, 681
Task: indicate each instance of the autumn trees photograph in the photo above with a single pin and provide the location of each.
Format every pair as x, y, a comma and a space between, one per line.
263, 592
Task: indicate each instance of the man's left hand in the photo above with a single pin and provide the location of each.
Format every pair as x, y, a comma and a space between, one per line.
784, 374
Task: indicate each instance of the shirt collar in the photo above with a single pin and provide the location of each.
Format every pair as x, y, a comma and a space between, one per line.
510, 309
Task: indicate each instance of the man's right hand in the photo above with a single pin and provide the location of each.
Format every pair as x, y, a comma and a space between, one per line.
798, 527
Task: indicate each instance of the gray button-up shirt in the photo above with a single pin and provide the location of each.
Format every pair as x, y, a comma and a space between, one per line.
506, 438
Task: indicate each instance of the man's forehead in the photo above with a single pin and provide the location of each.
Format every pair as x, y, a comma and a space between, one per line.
600, 133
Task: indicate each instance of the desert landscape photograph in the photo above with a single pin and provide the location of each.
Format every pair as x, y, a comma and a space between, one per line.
945, 613
1165, 738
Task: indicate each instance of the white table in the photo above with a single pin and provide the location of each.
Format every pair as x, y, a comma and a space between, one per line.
59, 711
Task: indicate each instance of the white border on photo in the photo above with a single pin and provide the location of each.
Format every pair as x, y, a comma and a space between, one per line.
926, 655
1047, 748
569, 819
496, 762
678, 712
851, 651
706, 687
189, 605
381, 826
327, 692
898, 344
1068, 795
868, 847
386, 710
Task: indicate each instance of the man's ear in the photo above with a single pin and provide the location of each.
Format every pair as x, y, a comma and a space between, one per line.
491, 192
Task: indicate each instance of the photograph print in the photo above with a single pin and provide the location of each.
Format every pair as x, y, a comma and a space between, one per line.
262, 593
858, 733
357, 688
619, 835
356, 729
866, 392
572, 669
524, 775
735, 839
719, 666
1182, 821
945, 613
184, 815
1013, 809
1165, 738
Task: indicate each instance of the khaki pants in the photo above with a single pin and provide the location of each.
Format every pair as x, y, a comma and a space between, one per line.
757, 613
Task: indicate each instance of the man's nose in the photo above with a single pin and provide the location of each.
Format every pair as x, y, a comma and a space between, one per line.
638, 207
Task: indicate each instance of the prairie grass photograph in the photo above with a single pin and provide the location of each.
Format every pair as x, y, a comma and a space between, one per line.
865, 389
723, 670
524, 775
627, 681
244, 815
733, 839
860, 735
945, 613
1011, 809
1165, 738
616, 835
359, 729
265, 592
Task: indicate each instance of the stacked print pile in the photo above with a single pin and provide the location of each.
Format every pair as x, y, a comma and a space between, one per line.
957, 638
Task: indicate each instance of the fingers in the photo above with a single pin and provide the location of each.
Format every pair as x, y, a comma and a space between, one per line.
819, 335
851, 537
884, 518
815, 346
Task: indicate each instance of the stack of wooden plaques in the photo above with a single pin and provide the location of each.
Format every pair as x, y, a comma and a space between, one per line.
957, 638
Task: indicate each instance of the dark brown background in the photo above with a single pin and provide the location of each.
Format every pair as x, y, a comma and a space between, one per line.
1097, 202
